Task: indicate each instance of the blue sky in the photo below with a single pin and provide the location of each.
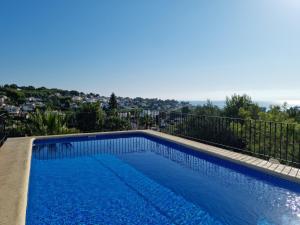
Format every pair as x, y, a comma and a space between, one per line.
191, 50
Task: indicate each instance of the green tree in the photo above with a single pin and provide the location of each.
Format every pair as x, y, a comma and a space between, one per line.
15, 96
208, 109
90, 117
185, 110
115, 122
241, 106
13, 86
277, 113
74, 93
294, 112
113, 104
65, 102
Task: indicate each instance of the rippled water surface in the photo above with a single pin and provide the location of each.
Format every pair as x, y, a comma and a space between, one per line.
128, 179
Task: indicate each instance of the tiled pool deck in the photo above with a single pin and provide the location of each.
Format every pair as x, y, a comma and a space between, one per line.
15, 157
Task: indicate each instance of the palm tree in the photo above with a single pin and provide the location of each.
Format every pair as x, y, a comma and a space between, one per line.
47, 123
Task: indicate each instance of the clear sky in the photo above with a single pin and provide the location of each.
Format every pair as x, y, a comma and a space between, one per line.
189, 50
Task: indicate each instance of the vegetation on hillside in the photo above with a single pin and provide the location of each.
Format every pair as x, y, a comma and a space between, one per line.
241, 124
47, 123
63, 100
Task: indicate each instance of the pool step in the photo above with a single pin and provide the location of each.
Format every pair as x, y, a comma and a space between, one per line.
173, 206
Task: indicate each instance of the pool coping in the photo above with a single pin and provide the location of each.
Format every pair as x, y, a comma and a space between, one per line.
15, 159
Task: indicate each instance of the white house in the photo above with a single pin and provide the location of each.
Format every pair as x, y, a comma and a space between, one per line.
3, 99
91, 100
13, 110
76, 98
28, 107
33, 99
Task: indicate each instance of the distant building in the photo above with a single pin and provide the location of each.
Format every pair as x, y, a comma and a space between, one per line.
33, 99
2, 100
74, 106
39, 104
13, 110
91, 100
76, 99
104, 105
28, 107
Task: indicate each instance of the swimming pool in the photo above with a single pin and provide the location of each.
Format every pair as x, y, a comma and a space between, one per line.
141, 179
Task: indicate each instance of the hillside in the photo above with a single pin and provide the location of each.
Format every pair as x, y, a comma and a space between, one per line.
58, 99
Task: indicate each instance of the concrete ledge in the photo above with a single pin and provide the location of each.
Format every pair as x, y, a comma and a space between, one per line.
279, 170
15, 158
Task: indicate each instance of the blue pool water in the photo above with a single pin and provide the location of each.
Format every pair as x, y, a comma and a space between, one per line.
138, 179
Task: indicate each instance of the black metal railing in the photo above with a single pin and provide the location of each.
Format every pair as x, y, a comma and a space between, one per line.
2, 129
264, 139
